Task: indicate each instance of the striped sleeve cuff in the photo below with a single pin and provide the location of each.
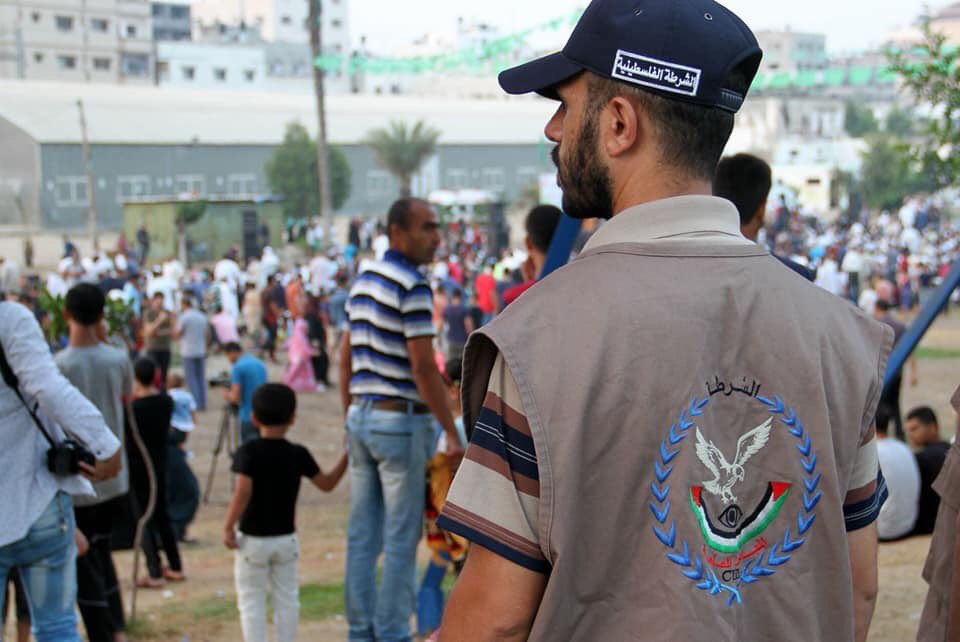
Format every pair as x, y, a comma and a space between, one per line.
480, 535
864, 512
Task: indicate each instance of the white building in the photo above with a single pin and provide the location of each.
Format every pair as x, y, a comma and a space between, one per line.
65, 40
792, 50
204, 65
280, 20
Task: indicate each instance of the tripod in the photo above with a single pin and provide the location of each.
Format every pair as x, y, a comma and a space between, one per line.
227, 435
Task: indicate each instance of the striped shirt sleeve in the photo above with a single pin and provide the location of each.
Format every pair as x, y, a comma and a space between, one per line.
868, 490
416, 306
494, 499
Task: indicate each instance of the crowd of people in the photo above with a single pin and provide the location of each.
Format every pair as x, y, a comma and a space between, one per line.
346, 305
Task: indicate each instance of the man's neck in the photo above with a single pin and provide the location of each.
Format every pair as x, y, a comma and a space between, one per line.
83, 336
640, 189
273, 432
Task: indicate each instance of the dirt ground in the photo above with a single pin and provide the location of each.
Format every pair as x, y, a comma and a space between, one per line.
202, 609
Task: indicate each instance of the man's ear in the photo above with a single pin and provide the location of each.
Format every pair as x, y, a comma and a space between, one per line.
760, 214
622, 126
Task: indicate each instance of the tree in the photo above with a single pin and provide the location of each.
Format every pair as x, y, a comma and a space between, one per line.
858, 120
402, 150
187, 214
292, 172
890, 173
899, 123
930, 72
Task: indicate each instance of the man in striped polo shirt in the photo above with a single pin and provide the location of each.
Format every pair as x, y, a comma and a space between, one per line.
391, 391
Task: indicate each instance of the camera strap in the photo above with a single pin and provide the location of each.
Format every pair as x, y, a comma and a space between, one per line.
11, 380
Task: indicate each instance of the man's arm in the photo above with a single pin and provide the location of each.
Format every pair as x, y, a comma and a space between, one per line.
953, 621
914, 377
493, 590
232, 394
241, 498
468, 325
862, 544
431, 389
345, 368
40, 379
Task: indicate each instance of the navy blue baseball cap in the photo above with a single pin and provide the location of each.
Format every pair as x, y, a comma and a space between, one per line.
696, 51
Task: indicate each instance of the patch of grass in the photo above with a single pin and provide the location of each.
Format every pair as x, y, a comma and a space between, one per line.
321, 601
215, 608
146, 628
936, 353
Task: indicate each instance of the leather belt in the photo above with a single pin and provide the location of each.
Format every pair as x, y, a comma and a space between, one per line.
396, 405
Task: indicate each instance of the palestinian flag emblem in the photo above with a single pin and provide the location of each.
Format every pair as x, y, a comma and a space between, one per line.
731, 540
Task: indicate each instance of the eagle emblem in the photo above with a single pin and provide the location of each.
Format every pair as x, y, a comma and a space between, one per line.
726, 474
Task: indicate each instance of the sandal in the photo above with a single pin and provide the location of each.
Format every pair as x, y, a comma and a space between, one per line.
151, 582
173, 576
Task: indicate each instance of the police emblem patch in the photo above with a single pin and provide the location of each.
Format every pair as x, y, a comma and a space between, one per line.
736, 550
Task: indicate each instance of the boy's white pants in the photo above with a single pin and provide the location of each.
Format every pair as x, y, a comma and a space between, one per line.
258, 562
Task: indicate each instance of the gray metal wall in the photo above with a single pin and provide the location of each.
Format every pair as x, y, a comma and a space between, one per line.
18, 175
168, 170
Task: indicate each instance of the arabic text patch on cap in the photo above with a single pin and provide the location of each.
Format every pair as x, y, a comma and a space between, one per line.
689, 50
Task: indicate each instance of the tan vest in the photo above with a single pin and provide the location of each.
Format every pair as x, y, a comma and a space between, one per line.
696, 411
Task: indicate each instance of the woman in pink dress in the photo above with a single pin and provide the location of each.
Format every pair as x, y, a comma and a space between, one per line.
299, 374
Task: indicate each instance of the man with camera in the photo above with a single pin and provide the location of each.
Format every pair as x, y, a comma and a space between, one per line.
104, 375
248, 374
41, 468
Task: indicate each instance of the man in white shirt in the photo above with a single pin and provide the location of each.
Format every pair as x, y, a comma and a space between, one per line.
900, 470
37, 529
227, 269
380, 246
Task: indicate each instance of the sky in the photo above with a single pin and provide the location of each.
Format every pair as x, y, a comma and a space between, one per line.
850, 25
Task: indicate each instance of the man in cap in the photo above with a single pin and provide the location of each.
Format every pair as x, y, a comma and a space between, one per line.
673, 435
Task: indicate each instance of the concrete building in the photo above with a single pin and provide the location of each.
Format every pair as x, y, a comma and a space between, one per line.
171, 21
280, 20
66, 40
216, 143
204, 65
792, 50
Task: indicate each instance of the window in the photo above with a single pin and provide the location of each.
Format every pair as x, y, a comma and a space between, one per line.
379, 184
64, 23
249, 75
130, 31
67, 62
163, 71
286, 20
527, 176
70, 191
492, 178
457, 178
101, 64
158, 10
131, 187
179, 12
189, 73
100, 24
135, 64
35, 16
220, 73
37, 57
190, 184
242, 184
336, 23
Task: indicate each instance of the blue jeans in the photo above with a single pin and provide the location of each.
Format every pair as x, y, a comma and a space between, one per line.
46, 558
388, 458
193, 372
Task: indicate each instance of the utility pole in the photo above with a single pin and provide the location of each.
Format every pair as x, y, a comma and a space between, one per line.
88, 170
316, 46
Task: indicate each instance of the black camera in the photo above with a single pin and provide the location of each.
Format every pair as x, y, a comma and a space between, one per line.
222, 380
65, 459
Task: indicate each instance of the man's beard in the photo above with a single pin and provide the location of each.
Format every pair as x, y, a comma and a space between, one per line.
584, 180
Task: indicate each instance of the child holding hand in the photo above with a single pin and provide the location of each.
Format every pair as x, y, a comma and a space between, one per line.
264, 502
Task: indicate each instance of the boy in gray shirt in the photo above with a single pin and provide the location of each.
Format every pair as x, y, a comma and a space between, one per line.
104, 375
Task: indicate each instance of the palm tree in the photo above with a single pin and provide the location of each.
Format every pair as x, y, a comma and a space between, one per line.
402, 150
323, 180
